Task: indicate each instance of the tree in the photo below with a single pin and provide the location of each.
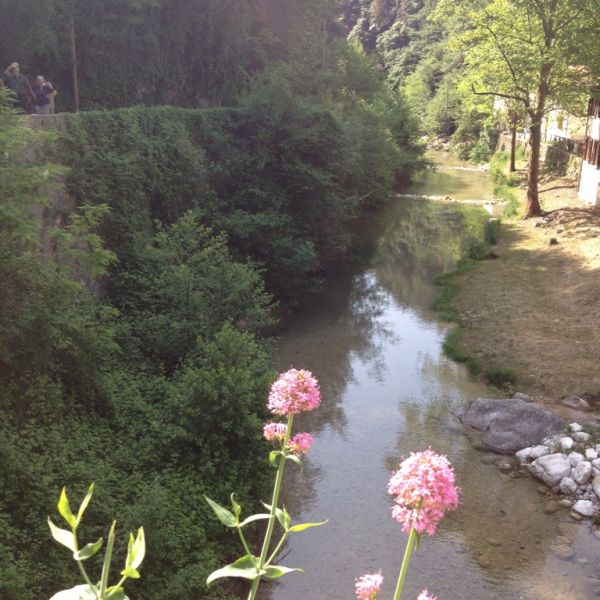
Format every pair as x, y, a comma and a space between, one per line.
536, 53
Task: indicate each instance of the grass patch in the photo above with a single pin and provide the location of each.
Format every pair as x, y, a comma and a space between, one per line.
503, 378
444, 301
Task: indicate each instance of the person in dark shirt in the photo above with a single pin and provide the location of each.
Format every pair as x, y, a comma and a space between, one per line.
44, 93
19, 84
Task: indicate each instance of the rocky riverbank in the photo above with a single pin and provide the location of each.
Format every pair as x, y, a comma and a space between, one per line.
565, 458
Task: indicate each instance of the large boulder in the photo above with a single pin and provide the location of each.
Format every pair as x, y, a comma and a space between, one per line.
511, 425
551, 469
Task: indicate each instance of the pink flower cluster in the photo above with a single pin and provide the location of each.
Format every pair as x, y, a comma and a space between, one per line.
294, 392
368, 586
424, 595
424, 490
300, 443
274, 432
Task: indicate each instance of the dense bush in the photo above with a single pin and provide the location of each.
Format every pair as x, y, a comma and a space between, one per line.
131, 351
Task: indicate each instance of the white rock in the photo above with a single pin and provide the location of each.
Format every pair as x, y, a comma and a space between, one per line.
596, 463
591, 454
531, 453
584, 507
597, 448
595, 471
596, 485
575, 457
567, 486
575, 427
581, 472
566, 443
551, 468
581, 436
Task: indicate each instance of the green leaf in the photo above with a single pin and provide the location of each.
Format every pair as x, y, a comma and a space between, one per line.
294, 459
130, 572
136, 550
303, 526
116, 593
283, 517
79, 592
84, 505
273, 457
62, 536
65, 510
237, 509
242, 567
275, 571
225, 516
256, 517
88, 551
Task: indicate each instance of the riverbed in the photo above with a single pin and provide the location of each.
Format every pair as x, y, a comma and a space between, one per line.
375, 345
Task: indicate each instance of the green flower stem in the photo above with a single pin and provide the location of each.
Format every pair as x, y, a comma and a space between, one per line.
82, 568
116, 587
277, 549
107, 558
244, 543
412, 538
274, 503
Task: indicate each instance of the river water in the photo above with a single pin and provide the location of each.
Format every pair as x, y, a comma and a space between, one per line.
376, 347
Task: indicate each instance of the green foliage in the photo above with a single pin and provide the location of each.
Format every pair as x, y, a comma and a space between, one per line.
136, 550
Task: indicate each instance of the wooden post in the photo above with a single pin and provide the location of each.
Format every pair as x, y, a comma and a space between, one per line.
74, 63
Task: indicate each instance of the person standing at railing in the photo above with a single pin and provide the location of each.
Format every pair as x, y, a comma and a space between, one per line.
19, 84
44, 95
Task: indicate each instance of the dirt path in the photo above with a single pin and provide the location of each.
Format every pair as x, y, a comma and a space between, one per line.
536, 309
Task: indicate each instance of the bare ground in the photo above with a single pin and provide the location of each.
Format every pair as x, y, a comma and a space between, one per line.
536, 309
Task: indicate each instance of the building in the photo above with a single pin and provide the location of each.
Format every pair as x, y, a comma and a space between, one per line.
589, 183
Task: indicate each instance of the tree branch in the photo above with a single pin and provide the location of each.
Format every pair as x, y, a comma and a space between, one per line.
522, 99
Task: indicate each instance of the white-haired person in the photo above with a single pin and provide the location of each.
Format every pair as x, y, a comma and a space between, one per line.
44, 96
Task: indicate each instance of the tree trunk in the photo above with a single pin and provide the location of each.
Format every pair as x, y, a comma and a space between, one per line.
513, 147
532, 207
73, 49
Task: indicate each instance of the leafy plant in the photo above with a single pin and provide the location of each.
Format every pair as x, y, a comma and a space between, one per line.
136, 551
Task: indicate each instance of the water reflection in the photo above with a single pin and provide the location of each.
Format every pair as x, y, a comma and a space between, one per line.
388, 390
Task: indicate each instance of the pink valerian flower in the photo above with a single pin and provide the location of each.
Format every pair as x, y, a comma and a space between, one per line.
424, 595
294, 392
274, 432
368, 586
300, 443
424, 490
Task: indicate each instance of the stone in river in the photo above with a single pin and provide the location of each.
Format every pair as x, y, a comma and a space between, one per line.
567, 486
584, 508
566, 443
563, 551
531, 453
510, 425
551, 468
581, 436
575, 457
575, 427
596, 485
581, 472
565, 503
591, 454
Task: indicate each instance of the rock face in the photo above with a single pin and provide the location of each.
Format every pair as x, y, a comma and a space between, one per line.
551, 468
510, 425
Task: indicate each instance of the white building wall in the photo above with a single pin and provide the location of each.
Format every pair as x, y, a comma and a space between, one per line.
589, 186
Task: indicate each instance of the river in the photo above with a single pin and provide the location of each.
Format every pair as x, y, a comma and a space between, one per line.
376, 347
